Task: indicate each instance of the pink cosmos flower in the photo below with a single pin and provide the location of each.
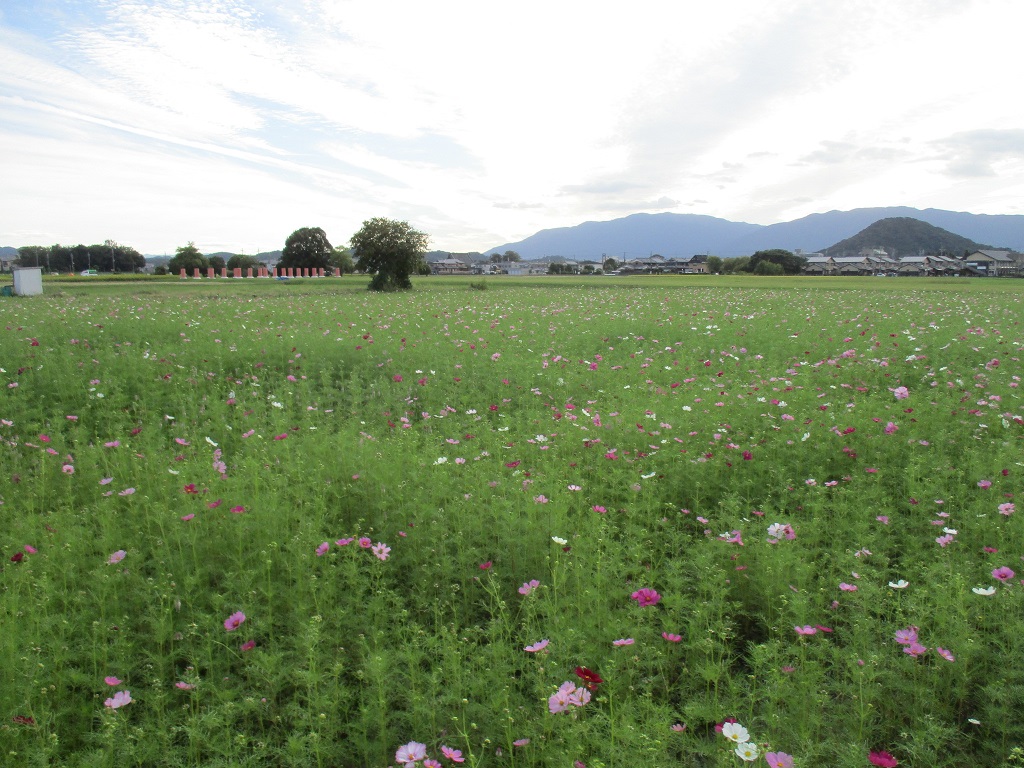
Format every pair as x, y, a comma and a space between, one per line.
411, 753
119, 699
106, 481
234, 621
847, 587
671, 637
111, 680
901, 393
365, 542
1003, 573
945, 654
68, 469
321, 550
182, 685
248, 645
189, 516
915, 649
529, 586
381, 550
517, 743
116, 558
599, 509
882, 759
238, 510
455, 755
344, 542
538, 646
890, 428
431, 763
486, 566
984, 484
906, 636
623, 641
778, 760
806, 630
127, 492
678, 727
282, 436
645, 597
1007, 509
112, 444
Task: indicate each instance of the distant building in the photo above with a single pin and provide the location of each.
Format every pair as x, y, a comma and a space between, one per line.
993, 263
449, 267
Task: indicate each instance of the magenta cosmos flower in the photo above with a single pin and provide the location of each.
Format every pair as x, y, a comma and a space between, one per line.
455, 755
234, 621
882, 759
1003, 573
645, 597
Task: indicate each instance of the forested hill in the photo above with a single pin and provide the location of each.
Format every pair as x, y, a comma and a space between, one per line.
904, 236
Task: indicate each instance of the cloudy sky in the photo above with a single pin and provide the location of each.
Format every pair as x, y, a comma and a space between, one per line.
232, 123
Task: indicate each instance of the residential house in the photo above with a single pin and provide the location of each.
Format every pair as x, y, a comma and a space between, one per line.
993, 263
449, 267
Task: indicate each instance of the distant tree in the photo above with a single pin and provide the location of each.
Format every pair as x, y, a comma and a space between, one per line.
162, 270
341, 258
495, 258
791, 263
511, 256
187, 257
306, 247
217, 262
33, 255
738, 264
391, 251
610, 264
769, 268
714, 264
243, 262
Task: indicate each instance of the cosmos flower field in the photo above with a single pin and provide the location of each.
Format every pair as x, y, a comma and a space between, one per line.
647, 522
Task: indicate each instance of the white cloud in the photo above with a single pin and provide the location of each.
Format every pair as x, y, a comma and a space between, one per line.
484, 129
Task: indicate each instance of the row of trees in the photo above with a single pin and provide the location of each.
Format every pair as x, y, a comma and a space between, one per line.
108, 257
776, 261
390, 251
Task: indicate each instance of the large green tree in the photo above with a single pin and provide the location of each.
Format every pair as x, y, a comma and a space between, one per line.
187, 257
791, 263
306, 247
389, 250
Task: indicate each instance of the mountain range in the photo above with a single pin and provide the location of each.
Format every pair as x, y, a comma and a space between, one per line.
686, 234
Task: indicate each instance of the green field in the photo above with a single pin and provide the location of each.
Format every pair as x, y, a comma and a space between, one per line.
266, 523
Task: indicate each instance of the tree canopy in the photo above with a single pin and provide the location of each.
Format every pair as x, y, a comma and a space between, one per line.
389, 250
187, 257
791, 263
242, 261
306, 247
106, 257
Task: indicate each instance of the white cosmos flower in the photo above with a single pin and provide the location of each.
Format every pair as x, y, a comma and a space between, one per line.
901, 584
735, 732
747, 751
987, 591
559, 541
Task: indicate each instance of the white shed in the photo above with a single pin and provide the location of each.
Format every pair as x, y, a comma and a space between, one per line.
28, 281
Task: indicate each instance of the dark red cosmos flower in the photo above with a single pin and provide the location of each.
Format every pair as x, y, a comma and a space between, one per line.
882, 759
589, 677
23, 720
190, 489
17, 557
